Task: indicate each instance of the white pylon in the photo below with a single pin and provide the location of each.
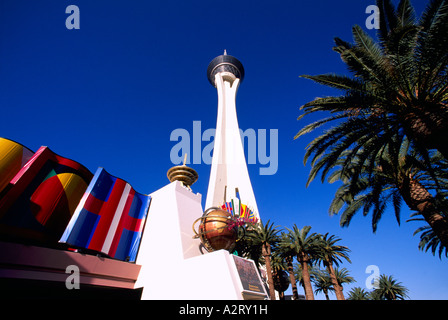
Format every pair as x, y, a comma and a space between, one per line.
229, 177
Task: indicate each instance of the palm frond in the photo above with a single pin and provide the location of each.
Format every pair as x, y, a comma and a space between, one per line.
337, 81
405, 13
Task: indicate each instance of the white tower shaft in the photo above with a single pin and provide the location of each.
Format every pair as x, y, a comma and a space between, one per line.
229, 176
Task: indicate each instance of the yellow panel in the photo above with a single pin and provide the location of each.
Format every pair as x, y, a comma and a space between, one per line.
10, 161
74, 187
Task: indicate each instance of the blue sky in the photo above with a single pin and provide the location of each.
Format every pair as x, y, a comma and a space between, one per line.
111, 93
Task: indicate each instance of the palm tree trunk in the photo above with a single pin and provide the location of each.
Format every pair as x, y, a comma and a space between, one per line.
428, 127
292, 278
419, 199
326, 294
337, 288
303, 260
266, 252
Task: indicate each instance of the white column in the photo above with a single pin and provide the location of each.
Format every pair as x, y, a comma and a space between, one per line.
229, 169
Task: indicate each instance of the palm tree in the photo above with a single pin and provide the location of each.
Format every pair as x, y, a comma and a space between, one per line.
390, 289
357, 293
287, 252
329, 253
396, 174
399, 82
298, 275
342, 276
305, 248
245, 247
398, 92
322, 282
428, 240
280, 276
265, 236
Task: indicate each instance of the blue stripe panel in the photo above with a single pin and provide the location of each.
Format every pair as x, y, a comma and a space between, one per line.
84, 228
103, 185
139, 206
128, 245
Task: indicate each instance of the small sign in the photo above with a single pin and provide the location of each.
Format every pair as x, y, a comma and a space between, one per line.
250, 279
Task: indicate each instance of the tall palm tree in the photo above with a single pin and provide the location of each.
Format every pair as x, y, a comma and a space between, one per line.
287, 252
330, 253
398, 92
390, 289
399, 82
298, 274
305, 247
265, 236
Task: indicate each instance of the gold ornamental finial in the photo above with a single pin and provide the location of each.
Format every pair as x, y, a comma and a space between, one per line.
182, 173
